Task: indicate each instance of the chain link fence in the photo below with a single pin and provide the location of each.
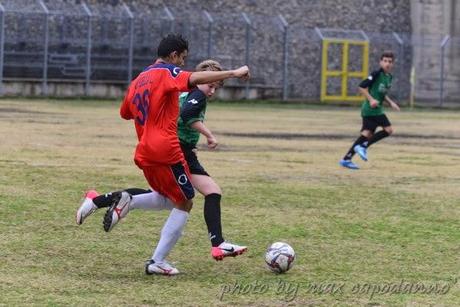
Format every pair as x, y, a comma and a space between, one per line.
50, 42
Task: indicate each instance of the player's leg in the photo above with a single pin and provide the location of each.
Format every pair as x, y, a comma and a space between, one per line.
379, 136
94, 201
123, 202
384, 122
351, 152
173, 182
212, 193
170, 234
361, 147
212, 215
370, 123
367, 129
151, 201
366, 132
211, 210
106, 200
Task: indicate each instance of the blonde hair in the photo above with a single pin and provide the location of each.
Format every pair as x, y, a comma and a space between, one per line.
210, 65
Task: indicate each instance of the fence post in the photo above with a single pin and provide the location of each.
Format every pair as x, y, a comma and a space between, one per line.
88, 50
366, 38
401, 61
131, 42
171, 17
45, 49
210, 22
2, 45
248, 46
323, 65
444, 42
285, 27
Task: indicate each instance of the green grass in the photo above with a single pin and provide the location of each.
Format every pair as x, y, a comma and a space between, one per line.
356, 234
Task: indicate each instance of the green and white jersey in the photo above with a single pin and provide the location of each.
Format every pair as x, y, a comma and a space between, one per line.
378, 84
192, 109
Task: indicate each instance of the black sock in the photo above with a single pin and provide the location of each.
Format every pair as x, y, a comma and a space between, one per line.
362, 139
105, 200
137, 191
212, 218
377, 137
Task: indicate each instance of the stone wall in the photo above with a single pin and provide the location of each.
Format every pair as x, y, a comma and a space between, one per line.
369, 15
379, 19
266, 56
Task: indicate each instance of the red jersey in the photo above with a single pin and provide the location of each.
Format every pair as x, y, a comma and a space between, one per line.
152, 101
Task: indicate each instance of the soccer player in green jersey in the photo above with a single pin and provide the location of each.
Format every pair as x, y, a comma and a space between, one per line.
190, 125
374, 89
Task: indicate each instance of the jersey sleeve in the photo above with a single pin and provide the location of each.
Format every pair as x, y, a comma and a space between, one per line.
366, 83
176, 80
192, 107
125, 111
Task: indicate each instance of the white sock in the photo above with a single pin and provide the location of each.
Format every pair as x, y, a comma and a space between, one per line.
151, 201
171, 232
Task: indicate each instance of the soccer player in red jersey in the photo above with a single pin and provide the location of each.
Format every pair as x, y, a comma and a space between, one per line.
192, 110
152, 102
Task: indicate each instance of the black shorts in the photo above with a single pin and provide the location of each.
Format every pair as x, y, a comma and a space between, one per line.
372, 122
192, 160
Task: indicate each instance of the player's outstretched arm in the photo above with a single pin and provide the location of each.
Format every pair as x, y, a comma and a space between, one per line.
392, 104
204, 77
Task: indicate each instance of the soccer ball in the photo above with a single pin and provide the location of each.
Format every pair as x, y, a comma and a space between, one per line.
280, 257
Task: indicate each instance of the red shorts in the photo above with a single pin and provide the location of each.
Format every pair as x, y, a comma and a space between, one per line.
172, 181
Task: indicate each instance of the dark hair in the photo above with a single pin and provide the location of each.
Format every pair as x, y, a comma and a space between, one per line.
171, 43
387, 54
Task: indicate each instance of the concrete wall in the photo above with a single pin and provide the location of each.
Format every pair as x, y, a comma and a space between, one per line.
109, 91
432, 20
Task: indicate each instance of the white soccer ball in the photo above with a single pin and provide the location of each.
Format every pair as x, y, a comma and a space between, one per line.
280, 257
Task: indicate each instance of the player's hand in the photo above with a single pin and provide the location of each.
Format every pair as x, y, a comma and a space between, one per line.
395, 107
374, 103
212, 142
242, 73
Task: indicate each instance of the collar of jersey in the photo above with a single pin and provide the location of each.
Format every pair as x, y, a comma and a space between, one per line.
158, 64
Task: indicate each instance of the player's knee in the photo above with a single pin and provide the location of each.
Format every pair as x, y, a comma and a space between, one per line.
211, 188
188, 205
389, 130
367, 134
185, 206
215, 189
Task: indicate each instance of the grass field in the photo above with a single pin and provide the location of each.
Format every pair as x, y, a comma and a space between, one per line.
387, 235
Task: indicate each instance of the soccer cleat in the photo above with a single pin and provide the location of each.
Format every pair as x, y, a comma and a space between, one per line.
361, 151
226, 249
160, 268
87, 207
118, 210
348, 164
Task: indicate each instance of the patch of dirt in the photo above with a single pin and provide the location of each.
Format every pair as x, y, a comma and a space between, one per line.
330, 136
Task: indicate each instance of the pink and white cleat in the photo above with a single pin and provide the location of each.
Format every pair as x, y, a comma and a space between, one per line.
87, 207
226, 249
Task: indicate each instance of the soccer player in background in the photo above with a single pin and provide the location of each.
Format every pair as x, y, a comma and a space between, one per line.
190, 126
374, 89
151, 101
